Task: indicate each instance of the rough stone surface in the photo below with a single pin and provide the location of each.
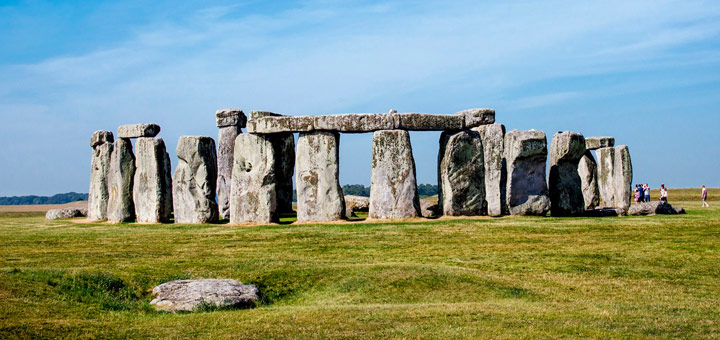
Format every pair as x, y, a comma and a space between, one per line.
477, 117
152, 187
351, 122
138, 130
99, 195
100, 137
526, 157
354, 204
121, 207
427, 122
277, 124
493, 140
189, 295
253, 195
55, 214
461, 177
230, 117
594, 143
284, 144
260, 114
194, 184
225, 157
393, 185
654, 208
429, 208
587, 170
319, 195
606, 176
566, 195
623, 177
604, 212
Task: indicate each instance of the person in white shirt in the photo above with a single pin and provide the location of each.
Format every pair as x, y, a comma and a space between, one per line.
663, 193
704, 197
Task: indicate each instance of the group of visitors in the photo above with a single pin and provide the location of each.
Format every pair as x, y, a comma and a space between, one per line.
642, 194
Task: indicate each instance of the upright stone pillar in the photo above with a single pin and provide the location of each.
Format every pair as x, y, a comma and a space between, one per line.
393, 188
587, 169
102, 145
230, 123
606, 175
284, 144
566, 194
152, 189
461, 178
194, 185
493, 140
253, 196
319, 195
526, 158
121, 207
623, 177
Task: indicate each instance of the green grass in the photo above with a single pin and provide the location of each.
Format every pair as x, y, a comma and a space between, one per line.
631, 277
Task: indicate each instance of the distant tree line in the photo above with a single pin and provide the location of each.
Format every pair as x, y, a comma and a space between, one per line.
54, 199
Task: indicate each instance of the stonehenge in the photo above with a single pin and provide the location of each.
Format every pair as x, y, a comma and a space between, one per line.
249, 177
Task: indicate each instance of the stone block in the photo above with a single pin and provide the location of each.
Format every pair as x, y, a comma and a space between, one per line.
429, 122
526, 158
352, 122
477, 117
566, 195
253, 195
225, 160
319, 195
594, 143
121, 207
493, 141
138, 130
194, 184
230, 117
100, 137
99, 195
271, 124
461, 174
393, 188
152, 187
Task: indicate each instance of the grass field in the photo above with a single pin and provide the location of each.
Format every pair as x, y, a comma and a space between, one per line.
511, 277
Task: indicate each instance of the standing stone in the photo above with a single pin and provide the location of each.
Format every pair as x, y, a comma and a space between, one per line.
319, 195
121, 207
587, 169
152, 189
393, 185
623, 177
493, 140
102, 144
606, 176
284, 144
566, 195
526, 157
230, 123
195, 181
253, 196
461, 176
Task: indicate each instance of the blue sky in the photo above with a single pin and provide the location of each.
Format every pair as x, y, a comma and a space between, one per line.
646, 72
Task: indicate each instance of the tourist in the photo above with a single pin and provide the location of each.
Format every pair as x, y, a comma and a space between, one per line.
663, 193
637, 194
704, 197
647, 192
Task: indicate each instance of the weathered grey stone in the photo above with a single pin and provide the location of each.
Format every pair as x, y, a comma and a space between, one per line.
604, 212
493, 141
260, 114
55, 214
121, 207
277, 124
653, 208
566, 195
354, 204
138, 130
526, 157
189, 295
477, 117
152, 187
319, 195
253, 195
461, 174
623, 177
99, 195
393, 185
427, 121
594, 143
225, 157
606, 176
429, 208
284, 144
195, 180
230, 117
587, 170
100, 137
352, 122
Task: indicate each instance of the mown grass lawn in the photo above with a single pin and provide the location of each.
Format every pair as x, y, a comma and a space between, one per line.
630, 277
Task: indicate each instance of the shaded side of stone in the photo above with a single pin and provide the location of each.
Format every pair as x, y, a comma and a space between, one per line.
230, 117
225, 160
194, 184
393, 188
253, 195
99, 195
493, 142
526, 158
606, 176
152, 187
461, 178
101, 137
284, 144
566, 195
121, 207
623, 177
319, 195
587, 170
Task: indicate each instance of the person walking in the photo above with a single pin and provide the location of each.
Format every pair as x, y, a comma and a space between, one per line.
646, 190
704, 197
663, 193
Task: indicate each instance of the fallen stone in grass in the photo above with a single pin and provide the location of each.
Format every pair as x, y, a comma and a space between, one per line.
604, 212
191, 295
654, 208
55, 214
429, 208
354, 204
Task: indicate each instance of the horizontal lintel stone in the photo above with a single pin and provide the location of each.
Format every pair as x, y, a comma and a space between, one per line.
230, 117
138, 130
100, 137
427, 122
477, 117
351, 122
271, 124
594, 143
